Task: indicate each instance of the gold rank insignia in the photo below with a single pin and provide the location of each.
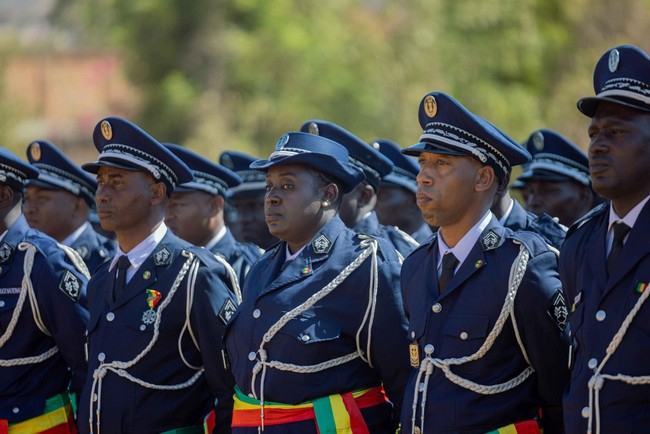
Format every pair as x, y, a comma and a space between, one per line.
107, 130
414, 354
35, 151
430, 106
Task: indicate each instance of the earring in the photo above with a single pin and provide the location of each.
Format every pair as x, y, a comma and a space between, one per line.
326, 203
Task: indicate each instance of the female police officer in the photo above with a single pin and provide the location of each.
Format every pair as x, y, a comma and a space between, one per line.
317, 333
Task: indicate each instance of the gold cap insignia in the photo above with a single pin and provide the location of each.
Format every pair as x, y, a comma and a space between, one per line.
430, 106
313, 129
35, 151
107, 130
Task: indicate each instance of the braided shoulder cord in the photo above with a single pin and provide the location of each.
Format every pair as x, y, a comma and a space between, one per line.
597, 380
120, 368
26, 290
517, 272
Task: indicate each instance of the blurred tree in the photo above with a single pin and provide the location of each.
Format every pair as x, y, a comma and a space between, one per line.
219, 74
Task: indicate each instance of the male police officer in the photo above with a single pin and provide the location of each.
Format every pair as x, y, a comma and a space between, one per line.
396, 204
157, 311
485, 306
248, 199
557, 181
58, 203
41, 318
195, 213
605, 260
358, 207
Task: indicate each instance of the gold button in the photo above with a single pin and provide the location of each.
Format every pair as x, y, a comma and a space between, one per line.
416, 430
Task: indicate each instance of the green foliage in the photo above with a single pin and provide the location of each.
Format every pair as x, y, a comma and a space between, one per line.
217, 74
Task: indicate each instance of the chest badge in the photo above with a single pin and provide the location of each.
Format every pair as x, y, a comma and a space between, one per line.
322, 244
153, 298
162, 257
414, 354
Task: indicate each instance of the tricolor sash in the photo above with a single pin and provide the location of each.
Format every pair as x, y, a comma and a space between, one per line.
525, 427
333, 414
57, 418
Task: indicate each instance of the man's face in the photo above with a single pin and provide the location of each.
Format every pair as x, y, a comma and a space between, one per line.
50, 211
561, 199
395, 205
123, 199
350, 209
619, 153
445, 187
250, 212
189, 214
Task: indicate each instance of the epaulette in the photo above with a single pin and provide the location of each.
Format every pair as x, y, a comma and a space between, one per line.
409, 239
533, 241
603, 207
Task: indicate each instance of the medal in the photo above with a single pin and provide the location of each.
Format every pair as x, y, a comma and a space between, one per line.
153, 298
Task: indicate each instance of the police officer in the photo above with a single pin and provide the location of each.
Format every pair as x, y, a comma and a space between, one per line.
158, 309
486, 312
605, 260
41, 318
316, 334
358, 207
195, 213
396, 204
58, 203
557, 180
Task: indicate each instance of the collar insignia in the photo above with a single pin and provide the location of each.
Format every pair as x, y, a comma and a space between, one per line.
5, 252
490, 240
162, 257
322, 244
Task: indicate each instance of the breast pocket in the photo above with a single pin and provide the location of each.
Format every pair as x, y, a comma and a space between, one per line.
463, 335
311, 330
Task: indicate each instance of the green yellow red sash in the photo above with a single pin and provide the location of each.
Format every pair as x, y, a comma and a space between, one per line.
57, 418
334, 414
525, 427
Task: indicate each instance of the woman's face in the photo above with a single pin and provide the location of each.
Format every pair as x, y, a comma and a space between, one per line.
293, 205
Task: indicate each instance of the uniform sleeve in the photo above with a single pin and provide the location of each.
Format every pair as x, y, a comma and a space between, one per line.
541, 315
389, 336
60, 289
212, 308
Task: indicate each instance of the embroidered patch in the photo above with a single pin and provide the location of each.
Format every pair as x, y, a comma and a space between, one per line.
227, 310
83, 251
322, 244
70, 285
558, 310
5, 252
10, 291
162, 257
490, 240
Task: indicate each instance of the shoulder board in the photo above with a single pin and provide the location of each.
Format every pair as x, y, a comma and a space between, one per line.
603, 207
533, 241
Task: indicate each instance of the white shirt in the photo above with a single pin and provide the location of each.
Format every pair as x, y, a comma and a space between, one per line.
141, 252
213, 242
505, 216
629, 220
464, 246
70, 239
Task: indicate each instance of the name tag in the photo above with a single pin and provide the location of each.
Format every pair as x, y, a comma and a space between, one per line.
9, 291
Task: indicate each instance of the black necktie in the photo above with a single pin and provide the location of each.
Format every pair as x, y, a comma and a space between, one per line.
449, 263
620, 231
123, 264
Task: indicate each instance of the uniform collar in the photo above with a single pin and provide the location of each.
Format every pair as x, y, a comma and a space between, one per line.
506, 214
463, 248
630, 218
70, 239
213, 242
141, 252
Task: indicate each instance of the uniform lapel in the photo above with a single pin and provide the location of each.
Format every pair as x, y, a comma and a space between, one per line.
636, 247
